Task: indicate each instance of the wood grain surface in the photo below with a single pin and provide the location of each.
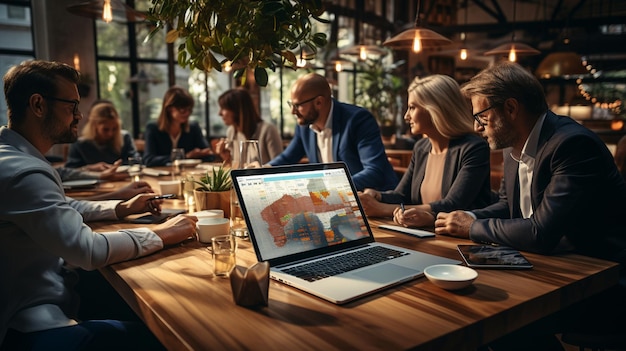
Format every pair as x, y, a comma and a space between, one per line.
188, 308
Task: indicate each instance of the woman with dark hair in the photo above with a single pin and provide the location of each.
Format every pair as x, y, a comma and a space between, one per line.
174, 130
244, 123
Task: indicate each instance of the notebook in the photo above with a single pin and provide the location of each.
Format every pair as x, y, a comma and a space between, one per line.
309, 214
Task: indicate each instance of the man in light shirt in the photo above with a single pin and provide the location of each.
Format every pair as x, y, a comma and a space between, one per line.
43, 237
331, 131
561, 190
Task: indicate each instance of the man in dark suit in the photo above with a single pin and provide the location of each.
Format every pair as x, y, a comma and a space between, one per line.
331, 131
561, 190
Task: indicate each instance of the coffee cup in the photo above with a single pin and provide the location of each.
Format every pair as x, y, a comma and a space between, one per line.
210, 227
170, 187
215, 213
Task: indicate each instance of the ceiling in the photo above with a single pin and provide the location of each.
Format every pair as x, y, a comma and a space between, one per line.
595, 28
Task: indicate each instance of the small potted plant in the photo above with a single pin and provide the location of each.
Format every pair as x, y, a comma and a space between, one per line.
213, 190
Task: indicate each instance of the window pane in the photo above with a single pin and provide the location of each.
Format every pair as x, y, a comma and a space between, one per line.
112, 39
155, 47
15, 28
151, 88
6, 61
114, 86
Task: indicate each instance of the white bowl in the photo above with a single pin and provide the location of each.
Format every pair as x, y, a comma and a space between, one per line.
450, 276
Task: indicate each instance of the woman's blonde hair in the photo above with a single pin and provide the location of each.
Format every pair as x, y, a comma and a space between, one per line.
441, 96
99, 113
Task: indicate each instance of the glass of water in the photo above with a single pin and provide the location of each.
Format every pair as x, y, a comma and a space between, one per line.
135, 167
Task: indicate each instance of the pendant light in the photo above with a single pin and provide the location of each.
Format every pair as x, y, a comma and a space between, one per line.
362, 51
513, 49
107, 11
416, 38
463, 52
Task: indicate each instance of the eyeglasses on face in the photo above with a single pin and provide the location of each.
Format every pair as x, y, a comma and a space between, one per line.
75, 110
293, 105
482, 120
182, 109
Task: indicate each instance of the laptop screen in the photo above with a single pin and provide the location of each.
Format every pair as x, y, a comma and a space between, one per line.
295, 210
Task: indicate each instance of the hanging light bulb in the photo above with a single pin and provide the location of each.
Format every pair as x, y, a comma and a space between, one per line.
107, 14
338, 66
512, 55
463, 54
416, 38
513, 49
417, 43
363, 53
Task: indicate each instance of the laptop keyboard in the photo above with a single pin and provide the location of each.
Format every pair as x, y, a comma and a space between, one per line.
343, 263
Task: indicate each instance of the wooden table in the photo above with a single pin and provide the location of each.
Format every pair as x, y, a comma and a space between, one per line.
188, 308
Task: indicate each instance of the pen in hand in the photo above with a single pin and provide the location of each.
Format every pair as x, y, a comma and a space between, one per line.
160, 197
402, 207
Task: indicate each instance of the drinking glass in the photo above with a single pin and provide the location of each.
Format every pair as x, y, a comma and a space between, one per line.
224, 259
135, 167
177, 155
247, 155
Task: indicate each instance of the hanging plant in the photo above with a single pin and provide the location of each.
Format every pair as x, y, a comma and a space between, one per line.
249, 35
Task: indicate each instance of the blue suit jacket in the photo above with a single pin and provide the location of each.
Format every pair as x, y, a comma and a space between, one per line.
576, 193
356, 141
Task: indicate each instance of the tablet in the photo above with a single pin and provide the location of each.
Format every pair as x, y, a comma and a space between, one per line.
490, 256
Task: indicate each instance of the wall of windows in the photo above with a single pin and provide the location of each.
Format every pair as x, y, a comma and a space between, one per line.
16, 39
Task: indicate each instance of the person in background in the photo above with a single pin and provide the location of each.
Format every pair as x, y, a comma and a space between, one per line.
43, 237
102, 140
244, 123
174, 130
561, 191
331, 131
449, 168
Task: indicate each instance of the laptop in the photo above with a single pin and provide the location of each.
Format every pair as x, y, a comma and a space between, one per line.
307, 222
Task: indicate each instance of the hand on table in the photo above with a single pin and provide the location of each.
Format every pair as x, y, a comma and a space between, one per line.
413, 217
456, 223
131, 190
199, 153
139, 204
176, 229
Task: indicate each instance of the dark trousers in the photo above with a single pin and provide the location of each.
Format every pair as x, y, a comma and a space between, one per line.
107, 324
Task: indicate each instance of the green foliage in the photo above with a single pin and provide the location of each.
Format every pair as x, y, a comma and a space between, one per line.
379, 89
256, 35
217, 180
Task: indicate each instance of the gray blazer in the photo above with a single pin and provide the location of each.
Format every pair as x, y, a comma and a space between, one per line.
465, 184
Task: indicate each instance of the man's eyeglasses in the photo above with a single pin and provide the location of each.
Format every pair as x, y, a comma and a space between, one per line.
75, 111
297, 106
482, 121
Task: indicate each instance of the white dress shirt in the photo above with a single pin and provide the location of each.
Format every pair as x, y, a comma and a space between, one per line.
325, 139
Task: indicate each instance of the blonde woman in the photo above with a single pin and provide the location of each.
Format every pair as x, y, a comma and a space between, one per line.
449, 168
102, 141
